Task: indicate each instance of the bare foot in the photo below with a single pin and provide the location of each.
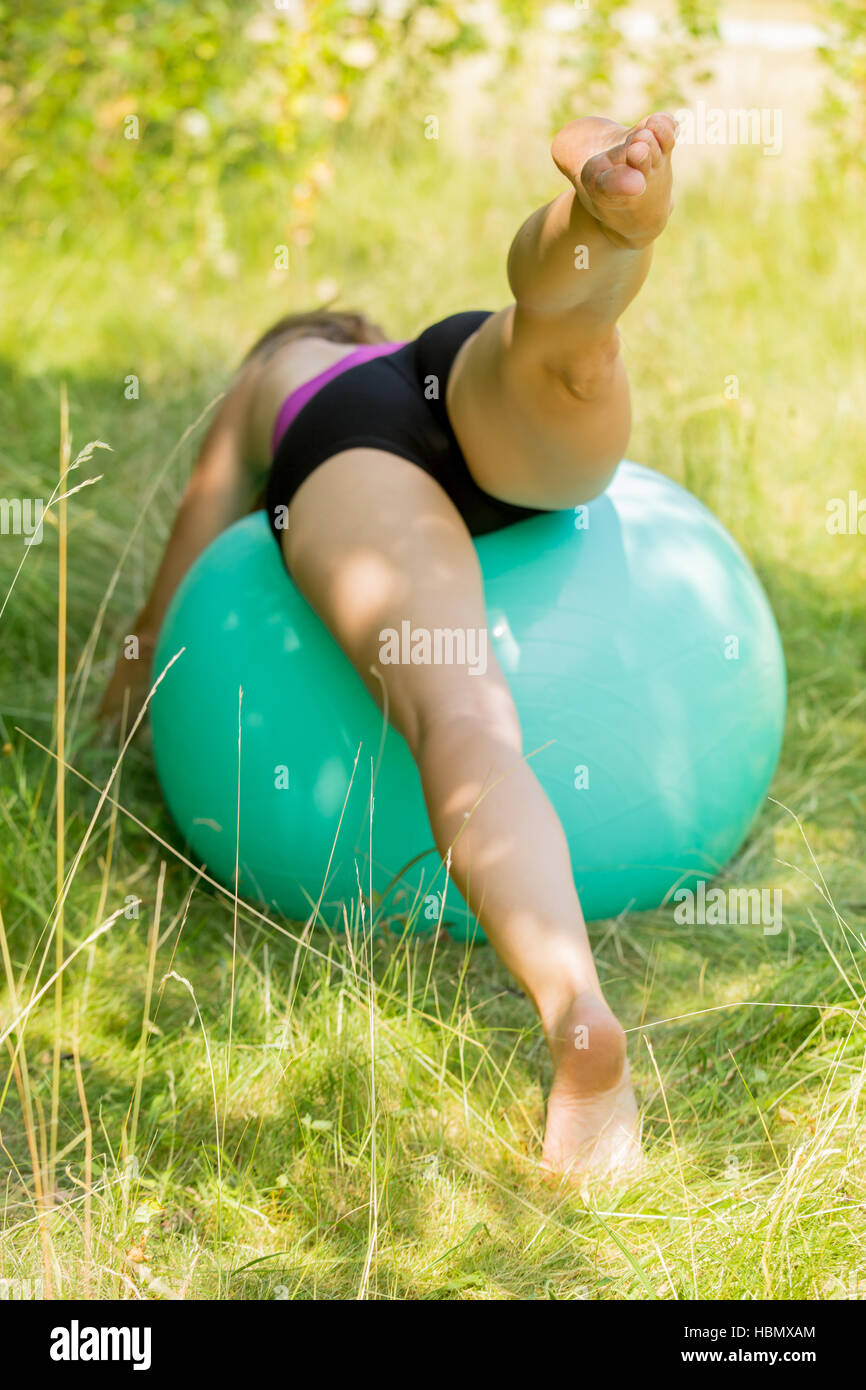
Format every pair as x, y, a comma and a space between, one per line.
622, 177
592, 1118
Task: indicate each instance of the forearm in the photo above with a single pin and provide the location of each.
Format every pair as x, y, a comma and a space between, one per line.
219, 493
204, 513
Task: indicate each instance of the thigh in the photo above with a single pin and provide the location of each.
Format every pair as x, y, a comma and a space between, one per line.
375, 544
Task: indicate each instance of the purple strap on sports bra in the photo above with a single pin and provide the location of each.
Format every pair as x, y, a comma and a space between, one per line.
295, 402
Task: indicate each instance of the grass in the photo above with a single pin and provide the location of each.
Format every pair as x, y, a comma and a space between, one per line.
347, 1118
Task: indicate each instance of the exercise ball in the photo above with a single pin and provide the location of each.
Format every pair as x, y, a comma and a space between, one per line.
645, 665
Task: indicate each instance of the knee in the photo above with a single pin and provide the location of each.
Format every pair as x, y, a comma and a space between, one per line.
477, 716
592, 369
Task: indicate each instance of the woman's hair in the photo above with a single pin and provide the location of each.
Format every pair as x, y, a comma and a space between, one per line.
318, 323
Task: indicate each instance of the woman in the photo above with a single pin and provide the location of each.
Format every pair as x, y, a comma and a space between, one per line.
384, 461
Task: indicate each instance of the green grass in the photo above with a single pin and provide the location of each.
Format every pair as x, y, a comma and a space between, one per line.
373, 1126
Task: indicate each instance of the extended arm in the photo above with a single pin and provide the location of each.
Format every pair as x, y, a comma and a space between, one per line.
219, 492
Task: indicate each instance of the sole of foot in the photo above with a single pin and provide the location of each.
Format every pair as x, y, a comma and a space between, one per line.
622, 176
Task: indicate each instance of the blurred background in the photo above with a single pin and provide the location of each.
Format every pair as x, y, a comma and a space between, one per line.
174, 176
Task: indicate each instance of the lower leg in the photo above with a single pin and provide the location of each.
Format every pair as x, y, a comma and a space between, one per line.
510, 859
577, 263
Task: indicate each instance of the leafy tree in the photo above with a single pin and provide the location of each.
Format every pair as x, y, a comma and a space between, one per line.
121, 106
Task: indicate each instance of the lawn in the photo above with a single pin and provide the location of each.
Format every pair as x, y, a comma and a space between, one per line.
345, 1117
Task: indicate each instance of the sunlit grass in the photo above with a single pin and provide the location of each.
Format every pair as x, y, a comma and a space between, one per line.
378, 1132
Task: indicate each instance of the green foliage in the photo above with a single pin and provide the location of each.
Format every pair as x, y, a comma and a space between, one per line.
599, 43
173, 113
121, 107
843, 109
683, 55
700, 18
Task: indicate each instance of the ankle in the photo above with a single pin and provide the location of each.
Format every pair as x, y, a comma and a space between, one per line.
585, 1033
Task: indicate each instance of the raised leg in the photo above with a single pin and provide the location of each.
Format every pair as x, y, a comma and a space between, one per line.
540, 398
374, 541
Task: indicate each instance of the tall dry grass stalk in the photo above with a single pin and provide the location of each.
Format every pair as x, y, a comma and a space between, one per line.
62, 568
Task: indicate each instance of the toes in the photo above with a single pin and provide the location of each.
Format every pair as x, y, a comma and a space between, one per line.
639, 156
664, 128
621, 181
643, 151
611, 179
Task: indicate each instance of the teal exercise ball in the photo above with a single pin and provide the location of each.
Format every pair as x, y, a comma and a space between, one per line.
644, 661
